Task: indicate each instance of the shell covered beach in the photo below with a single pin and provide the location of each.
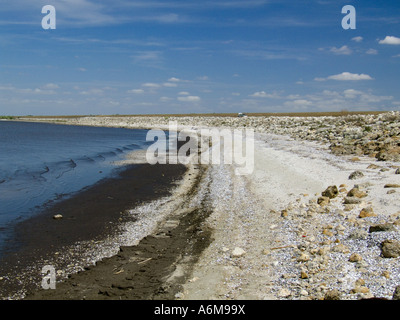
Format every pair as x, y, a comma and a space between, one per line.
318, 218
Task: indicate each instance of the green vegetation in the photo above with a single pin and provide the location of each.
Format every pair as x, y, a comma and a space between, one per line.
7, 117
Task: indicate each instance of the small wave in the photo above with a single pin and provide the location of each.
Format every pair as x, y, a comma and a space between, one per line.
86, 159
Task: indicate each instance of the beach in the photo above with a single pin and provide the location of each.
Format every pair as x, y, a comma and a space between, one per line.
318, 218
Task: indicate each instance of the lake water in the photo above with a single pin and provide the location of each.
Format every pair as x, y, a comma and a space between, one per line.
41, 163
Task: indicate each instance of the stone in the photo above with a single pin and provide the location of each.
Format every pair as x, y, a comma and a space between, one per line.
284, 213
303, 275
397, 171
360, 289
284, 293
57, 216
356, 192
381, 227
356, 175
390, 249
367, 212
396, 293
332, 295
238, 252
327, 232
392, 185
351, 200
303, 257
323, 201
355, 257
341, 248
330, 192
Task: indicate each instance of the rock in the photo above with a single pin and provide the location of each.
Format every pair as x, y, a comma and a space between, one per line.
179, 296
303, 257
331, 192
396, 293
381, 227
284, 213
390, 154
367, 212
303, 275
341, 248
332, 295
355, 257
390, 249
284, 293
327, 232
57, 216
360, 289
391, 191
392, 185
238, 252
355, 192
397, 171
351, 200
356, 175
323, 201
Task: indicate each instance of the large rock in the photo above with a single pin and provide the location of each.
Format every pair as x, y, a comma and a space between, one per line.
390, 249
356, 175
331, 192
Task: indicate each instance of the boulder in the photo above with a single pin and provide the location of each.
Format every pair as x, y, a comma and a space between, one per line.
331, 192
356, 175
390, 249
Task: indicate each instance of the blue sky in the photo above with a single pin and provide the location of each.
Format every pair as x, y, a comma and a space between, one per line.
157, 56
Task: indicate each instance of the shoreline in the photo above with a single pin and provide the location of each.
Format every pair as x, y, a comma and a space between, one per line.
271, 236
92, 224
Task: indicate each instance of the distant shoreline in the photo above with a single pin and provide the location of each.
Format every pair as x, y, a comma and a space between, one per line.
250, 114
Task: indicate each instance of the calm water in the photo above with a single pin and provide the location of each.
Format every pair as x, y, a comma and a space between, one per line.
40, 163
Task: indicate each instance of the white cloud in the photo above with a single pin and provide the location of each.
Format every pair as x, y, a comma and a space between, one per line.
169, 84
351, 93
136, 91
151, 85
92, 92
358, 39
51, 86
390, 40
372, 51
189, 99
184, 93
173, 79
346, 76
263, 94
165, 99
344, 50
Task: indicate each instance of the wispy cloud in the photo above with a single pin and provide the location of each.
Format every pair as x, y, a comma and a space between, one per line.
344, 50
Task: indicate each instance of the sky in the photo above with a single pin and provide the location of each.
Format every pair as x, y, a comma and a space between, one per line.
198, 56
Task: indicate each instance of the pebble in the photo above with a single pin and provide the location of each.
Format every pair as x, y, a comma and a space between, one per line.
284, 293
57, 216
237, 252
355, 257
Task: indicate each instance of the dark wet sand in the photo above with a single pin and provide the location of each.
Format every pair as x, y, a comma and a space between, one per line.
92, 214
154, 269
